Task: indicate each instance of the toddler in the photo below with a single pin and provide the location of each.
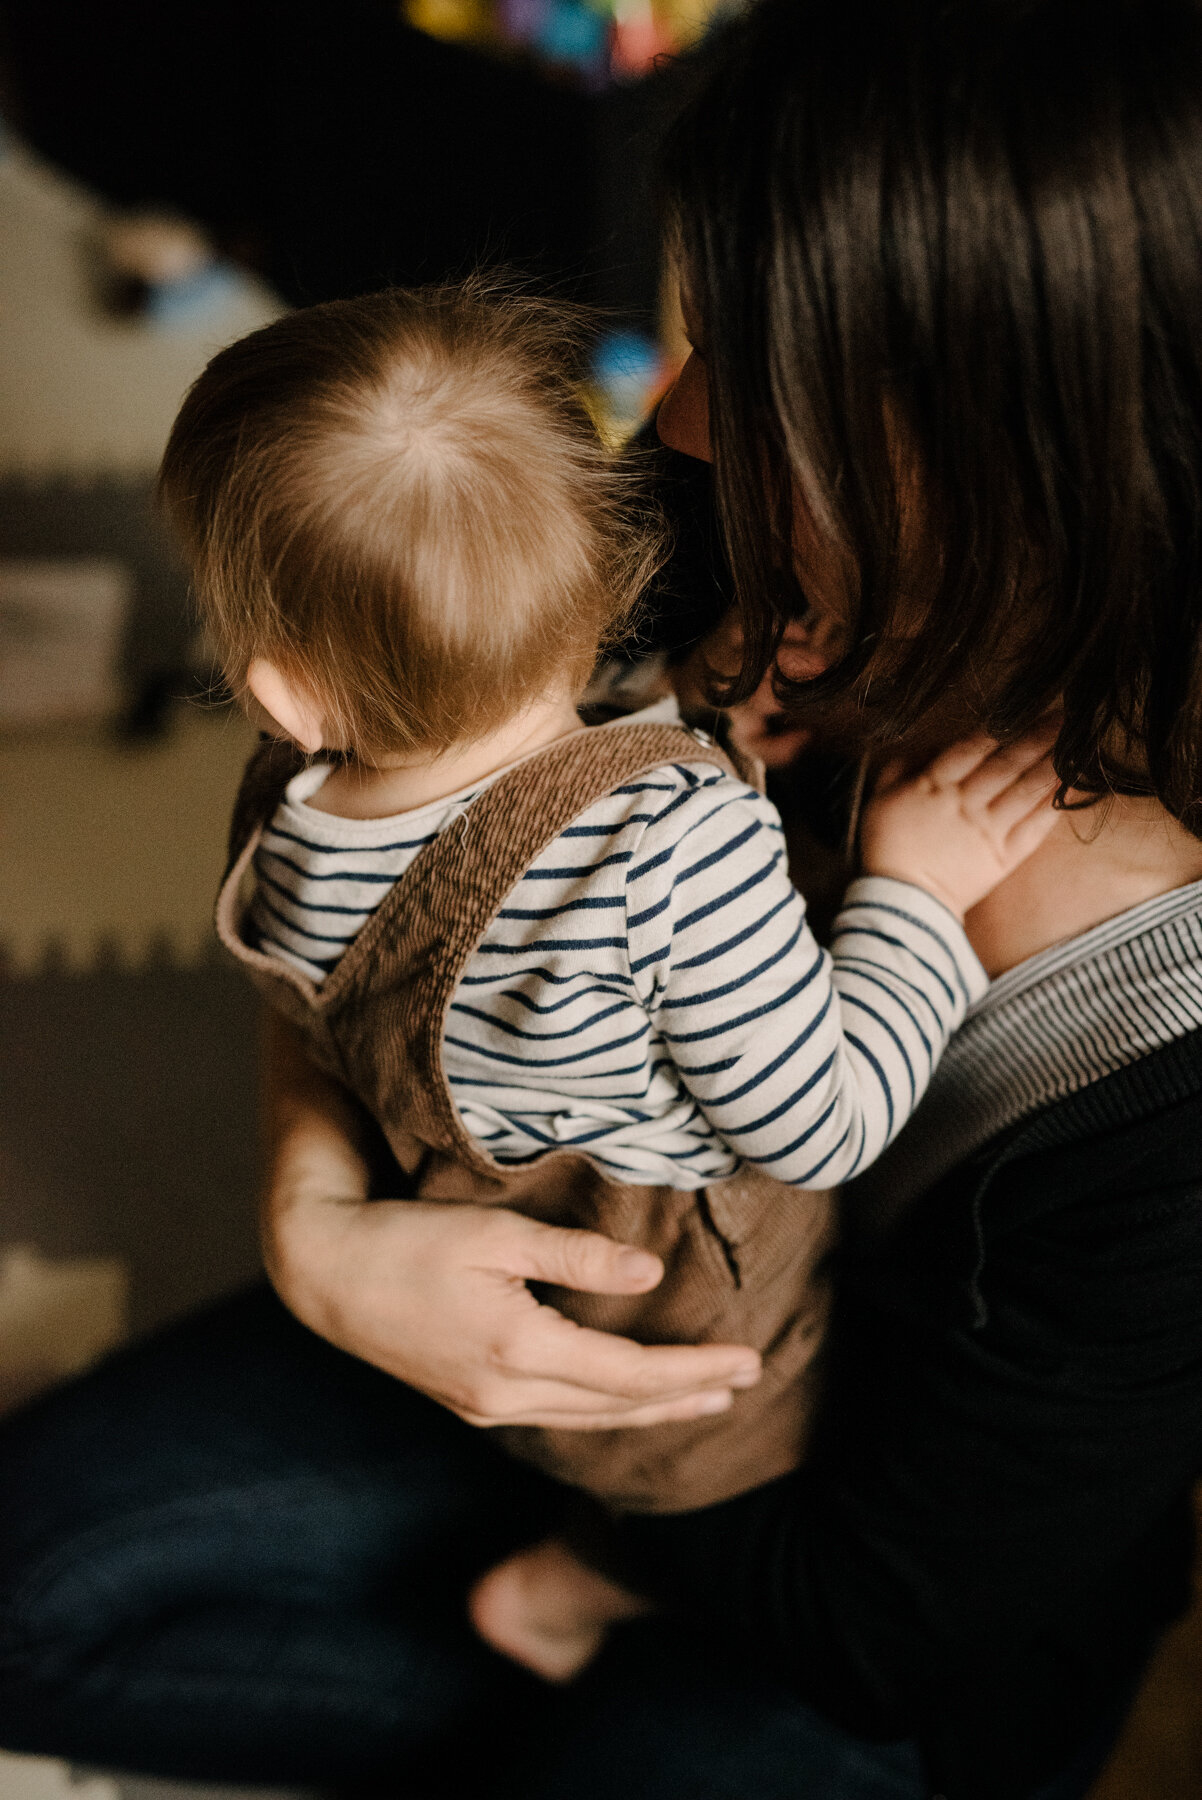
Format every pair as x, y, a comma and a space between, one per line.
561, 964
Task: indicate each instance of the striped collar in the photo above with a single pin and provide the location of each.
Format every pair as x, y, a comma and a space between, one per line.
1049, 1027
1150, 915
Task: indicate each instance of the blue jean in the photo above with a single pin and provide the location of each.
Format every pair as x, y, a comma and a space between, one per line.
234, 1553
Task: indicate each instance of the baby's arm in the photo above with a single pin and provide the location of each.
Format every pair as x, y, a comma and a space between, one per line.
802, 1062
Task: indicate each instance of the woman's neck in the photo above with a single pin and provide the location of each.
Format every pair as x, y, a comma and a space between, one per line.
1094, 865
376, 791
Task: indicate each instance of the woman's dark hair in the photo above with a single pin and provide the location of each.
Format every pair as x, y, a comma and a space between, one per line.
952, 249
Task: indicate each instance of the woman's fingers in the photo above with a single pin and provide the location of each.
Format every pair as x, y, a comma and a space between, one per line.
437, 1296
548, 1415
549, 1371
545, 1344
574, 1408
598, 1362
583, 1260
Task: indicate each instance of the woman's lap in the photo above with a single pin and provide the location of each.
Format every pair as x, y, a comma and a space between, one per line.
224, 1554
659, 1721
235, 1553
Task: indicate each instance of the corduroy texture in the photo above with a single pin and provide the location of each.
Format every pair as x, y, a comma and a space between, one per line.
744, 1258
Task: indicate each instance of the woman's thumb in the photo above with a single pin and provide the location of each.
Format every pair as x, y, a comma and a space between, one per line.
583, 1260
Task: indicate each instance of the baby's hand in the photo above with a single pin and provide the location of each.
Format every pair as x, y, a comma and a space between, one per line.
960, 827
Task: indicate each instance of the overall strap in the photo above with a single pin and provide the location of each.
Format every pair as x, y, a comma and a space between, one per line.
422, 936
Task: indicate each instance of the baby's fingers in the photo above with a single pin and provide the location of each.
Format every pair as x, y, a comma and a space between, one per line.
1029, 794
981, 767
955, 764
1029, 833
1008, 765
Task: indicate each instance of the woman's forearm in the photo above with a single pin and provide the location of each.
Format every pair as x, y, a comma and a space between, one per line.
310, 1124
313, 1162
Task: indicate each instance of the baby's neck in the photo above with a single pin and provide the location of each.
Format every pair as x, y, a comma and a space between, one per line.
358, 790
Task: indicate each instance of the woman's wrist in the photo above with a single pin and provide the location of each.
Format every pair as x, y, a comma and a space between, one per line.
304, 1230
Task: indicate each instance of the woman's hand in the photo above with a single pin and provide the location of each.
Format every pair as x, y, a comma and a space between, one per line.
437, 1296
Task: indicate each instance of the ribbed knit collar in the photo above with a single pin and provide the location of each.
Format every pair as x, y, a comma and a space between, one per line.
1050, 1027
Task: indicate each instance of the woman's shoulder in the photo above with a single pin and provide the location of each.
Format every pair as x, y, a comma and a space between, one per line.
1139, 1125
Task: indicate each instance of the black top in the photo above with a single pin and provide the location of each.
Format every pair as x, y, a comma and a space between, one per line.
995, 1518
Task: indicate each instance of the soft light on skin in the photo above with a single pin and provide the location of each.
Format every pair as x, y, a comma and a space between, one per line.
396, 784
288, 707
757, 726
683, 420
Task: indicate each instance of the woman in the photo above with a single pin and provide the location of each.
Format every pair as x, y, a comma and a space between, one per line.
944, 259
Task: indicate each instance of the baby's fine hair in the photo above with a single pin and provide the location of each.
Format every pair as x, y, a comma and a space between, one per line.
401, 501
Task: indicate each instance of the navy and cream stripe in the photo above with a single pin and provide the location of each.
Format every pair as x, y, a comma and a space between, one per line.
650, 992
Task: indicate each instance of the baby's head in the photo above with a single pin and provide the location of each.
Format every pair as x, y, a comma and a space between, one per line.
398, 505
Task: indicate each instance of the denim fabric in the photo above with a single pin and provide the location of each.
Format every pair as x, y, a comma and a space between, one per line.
235, 1554
660, 1722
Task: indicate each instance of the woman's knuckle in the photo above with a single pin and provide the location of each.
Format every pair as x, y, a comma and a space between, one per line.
471, 1417
501, 1407
579, 1253
496, 1232
480, 1391
503, 1355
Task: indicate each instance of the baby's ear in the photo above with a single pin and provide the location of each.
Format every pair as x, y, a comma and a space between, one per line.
291, 706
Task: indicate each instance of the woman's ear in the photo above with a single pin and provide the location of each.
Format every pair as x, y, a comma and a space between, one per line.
293, 709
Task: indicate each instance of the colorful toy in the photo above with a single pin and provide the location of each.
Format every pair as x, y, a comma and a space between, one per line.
596, 40
162, 269
627, 374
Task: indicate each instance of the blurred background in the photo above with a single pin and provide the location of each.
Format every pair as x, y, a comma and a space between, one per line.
171, 178
168, 181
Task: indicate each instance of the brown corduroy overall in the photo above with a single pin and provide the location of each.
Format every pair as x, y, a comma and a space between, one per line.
743, 1258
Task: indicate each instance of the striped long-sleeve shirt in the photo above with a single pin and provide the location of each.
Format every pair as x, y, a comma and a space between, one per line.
650, 992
